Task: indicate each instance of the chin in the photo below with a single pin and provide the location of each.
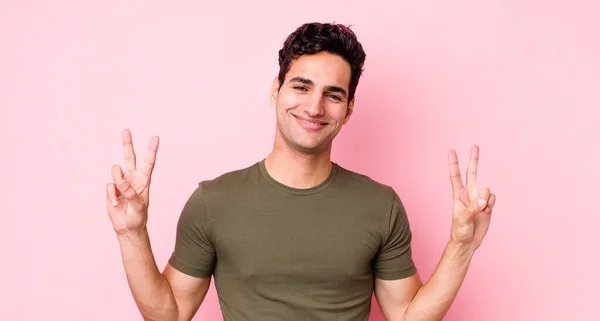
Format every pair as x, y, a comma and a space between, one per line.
311, 148
303, 142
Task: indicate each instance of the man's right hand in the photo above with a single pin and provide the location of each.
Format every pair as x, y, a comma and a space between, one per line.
171, 295
127, 197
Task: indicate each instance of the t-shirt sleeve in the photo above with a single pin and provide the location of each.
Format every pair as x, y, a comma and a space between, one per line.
194, 253
394, 259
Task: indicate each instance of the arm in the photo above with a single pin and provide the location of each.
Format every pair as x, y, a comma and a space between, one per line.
409, 300
171, 295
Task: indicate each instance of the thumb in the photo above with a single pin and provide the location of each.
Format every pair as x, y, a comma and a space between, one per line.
137, 204
477, 206
474, 208
135, 201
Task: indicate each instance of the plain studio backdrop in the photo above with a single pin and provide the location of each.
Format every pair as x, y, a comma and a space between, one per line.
519, 78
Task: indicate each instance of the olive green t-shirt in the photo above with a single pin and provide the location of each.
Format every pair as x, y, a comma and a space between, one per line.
280, 253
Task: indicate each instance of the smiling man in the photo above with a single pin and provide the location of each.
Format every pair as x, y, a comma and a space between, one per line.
296, 236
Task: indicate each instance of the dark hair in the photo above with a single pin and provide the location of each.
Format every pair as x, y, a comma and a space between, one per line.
311, 38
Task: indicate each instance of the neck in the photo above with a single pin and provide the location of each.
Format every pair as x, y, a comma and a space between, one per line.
297, 169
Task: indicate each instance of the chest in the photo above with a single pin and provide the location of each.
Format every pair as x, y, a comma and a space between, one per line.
311, 243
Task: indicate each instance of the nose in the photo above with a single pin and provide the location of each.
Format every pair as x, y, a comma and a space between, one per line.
316, 107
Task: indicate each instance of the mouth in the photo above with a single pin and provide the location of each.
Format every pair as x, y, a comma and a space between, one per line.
310, 124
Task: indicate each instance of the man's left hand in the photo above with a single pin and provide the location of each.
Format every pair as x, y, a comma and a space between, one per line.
471, 206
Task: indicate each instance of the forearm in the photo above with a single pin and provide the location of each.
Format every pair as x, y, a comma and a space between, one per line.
435, 297
150, 289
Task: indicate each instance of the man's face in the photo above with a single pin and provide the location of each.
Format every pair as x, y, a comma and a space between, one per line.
312, 103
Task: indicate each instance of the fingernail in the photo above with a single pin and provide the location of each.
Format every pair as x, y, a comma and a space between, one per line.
481, 202
114, 203
124, 186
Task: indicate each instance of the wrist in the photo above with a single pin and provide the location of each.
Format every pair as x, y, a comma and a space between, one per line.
134, 236
461, 251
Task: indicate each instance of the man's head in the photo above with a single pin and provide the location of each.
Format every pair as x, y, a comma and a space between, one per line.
320, 67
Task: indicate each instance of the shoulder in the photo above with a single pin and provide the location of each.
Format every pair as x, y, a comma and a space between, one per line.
365, 185
217, 190
229, 182
380, 201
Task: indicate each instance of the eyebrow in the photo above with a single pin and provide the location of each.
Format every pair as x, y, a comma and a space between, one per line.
309, 82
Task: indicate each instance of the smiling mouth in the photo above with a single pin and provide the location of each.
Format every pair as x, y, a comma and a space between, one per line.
310, 124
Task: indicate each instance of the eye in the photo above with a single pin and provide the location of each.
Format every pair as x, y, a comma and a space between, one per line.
301, 88
336, 97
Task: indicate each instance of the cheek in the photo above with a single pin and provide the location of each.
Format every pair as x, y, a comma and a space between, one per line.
283, 106
338, 113
290, 100
285, 97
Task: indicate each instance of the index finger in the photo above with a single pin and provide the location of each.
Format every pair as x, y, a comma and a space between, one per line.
473, 164
150, 156
128, 150
455, 178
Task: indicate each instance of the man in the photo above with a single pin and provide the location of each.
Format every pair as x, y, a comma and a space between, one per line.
296, 236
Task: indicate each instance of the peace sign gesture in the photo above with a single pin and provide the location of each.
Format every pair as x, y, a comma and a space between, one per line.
471, 206
127, 197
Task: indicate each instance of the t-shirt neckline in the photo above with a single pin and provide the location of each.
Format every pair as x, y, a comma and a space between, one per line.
298, 191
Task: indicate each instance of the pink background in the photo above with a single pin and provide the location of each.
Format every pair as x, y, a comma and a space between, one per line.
519, 78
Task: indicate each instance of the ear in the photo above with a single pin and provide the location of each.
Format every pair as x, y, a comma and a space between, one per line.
349, 110
274, 91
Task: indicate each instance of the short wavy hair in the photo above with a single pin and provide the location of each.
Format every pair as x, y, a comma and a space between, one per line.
315, 37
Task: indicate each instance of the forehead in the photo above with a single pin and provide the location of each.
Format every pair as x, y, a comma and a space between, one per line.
323, 68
